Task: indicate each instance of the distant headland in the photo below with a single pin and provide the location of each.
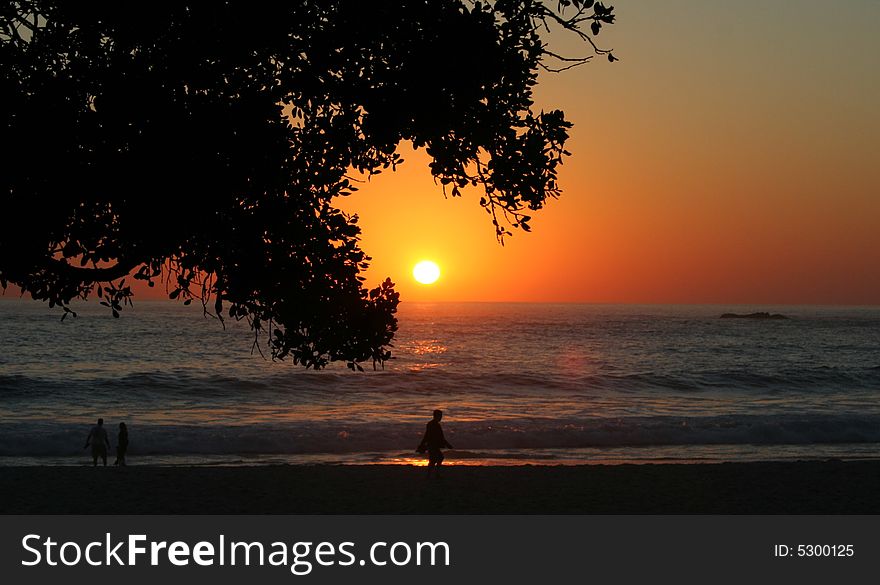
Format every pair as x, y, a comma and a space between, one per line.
762, 315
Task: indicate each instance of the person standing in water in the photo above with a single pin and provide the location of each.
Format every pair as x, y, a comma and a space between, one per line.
433, 442
122, 445
99, 441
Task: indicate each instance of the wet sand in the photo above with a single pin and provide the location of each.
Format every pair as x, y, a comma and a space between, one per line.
815, 487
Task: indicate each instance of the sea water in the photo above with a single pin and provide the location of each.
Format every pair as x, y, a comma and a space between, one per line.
518, 383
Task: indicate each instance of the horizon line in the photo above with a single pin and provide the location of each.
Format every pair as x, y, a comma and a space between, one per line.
4, 297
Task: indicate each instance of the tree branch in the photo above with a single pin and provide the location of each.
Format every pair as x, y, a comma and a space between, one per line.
121, 269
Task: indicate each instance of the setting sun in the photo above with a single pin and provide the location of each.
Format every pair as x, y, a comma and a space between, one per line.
426, 272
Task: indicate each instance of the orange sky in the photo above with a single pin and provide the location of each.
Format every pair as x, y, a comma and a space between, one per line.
730, 157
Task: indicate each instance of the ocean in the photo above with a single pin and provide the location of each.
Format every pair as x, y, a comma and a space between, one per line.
533, 384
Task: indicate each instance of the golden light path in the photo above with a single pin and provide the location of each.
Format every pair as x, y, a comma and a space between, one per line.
426, 272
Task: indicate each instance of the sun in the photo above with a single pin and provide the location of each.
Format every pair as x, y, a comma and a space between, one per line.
426, 272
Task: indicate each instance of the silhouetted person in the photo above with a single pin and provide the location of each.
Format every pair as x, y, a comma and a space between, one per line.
433, 441
121, 445
99, 442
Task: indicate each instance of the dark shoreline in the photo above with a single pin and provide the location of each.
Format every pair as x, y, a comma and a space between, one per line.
801, 487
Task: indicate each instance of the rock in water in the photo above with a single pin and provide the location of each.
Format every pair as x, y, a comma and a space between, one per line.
762, 315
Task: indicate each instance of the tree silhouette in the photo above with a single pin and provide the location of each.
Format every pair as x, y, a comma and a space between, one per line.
200, 145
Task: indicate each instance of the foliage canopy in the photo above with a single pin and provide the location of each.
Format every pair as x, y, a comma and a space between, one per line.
200, 145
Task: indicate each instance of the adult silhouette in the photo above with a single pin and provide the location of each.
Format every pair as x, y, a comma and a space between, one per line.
433, 442
99, 441
121, 445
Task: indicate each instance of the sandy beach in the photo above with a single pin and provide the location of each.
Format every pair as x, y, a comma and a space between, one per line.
820, 487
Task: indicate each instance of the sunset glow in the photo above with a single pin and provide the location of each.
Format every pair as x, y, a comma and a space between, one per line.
426, 272
739, 173
736, 173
